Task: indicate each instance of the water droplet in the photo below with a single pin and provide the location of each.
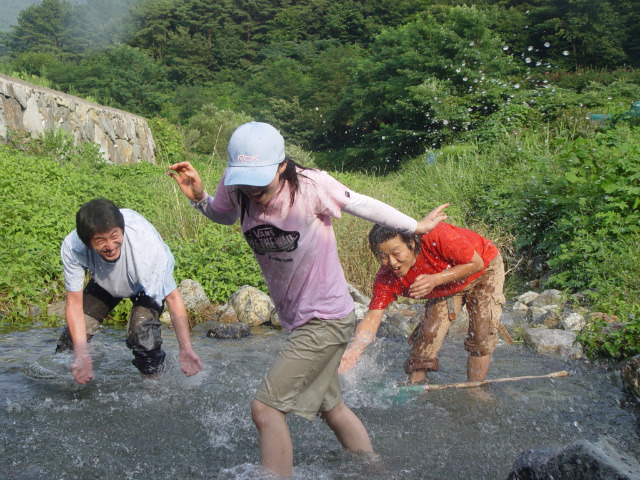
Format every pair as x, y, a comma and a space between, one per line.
530, 47
565, 53
528, 59
505, 48
547, 44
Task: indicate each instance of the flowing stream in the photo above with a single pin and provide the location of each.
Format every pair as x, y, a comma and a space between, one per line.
120, 426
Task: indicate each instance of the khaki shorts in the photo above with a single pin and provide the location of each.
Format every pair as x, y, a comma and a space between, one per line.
304, 378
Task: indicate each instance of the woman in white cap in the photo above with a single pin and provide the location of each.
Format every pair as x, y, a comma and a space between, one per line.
285, 212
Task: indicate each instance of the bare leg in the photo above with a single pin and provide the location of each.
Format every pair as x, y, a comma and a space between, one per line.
348, 428
477, 368
276, 450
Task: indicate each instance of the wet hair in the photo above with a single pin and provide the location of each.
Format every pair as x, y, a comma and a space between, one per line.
379, 234
97, 216
290, 175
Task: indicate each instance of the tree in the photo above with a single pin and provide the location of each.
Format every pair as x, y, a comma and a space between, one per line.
567, 33
422, 84
43, 27
123, 77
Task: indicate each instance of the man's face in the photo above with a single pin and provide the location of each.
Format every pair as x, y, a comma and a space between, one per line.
108, 244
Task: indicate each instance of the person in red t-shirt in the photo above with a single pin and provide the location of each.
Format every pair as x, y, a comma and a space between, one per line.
449, 266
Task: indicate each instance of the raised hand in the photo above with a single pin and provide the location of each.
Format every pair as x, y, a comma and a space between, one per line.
188, 180
434, 217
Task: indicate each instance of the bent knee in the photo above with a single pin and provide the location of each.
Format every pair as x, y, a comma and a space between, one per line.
261, 413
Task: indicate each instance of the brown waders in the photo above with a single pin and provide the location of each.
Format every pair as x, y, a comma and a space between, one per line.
483, 298
143, 329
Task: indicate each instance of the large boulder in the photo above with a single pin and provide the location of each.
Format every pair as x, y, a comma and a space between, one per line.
552, 342
581, 460
252, 306
574, 322
193, 295
229, 330
548, 297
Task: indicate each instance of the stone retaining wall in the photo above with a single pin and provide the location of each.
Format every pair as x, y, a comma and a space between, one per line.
123, 137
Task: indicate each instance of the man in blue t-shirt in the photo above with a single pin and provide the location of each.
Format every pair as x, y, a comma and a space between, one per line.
126, 258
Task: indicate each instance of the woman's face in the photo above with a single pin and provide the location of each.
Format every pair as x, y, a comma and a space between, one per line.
396, 255
262, 195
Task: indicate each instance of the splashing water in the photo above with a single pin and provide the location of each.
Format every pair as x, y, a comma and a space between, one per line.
121, 426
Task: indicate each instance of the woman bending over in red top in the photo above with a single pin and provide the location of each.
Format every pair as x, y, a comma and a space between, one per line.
450, 267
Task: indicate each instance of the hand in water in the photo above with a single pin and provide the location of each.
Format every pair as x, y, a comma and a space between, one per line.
190, 363
349, 360
82, 368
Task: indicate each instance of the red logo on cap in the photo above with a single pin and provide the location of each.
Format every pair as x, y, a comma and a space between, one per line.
248, 158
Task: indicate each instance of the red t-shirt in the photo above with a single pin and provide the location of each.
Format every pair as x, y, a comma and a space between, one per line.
442, 248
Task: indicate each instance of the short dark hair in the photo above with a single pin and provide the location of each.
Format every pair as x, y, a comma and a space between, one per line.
97, 216
380, 234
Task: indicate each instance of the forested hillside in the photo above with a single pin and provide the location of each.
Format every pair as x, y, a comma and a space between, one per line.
371, 82
519, 113
11, 9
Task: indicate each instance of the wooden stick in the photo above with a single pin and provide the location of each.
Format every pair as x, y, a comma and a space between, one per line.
424, 388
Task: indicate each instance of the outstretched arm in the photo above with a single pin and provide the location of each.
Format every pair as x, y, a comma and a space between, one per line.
364, 335
188, 180
375, 211
189, 361
82, 366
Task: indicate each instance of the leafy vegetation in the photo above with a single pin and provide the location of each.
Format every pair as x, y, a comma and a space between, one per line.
488, 105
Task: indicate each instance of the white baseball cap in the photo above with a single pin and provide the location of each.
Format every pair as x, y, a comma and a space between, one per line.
255, 151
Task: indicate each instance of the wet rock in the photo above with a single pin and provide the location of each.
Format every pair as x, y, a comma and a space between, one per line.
548, 297
252, 306
581, 460
553, 342
552, 319
204, 327
357, 295
227, 314
537, 315
360, 311
630, 374
57, 309
274, 320
35, 311
520, 311
193, 295
229, 330
528, 297
573, 322
396, 325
